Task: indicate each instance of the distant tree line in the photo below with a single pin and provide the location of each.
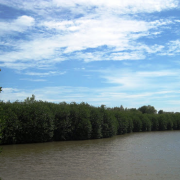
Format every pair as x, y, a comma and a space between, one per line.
34, 121
0, 87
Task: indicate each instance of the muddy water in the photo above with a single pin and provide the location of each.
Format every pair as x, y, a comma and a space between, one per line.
136, 156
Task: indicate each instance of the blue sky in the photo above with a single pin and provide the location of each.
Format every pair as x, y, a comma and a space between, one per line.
112, 52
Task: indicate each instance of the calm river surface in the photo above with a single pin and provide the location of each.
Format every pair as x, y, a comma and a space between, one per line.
136, 156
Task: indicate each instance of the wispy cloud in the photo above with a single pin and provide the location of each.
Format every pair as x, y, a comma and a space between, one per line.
33, 80
130, 80
50, 73
172, 48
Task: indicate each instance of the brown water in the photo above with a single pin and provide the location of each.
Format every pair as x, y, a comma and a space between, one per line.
136, 156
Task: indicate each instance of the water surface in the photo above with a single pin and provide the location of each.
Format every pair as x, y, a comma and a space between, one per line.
136, 156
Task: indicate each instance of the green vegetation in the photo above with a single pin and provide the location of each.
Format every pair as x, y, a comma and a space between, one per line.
1, 123
0, 91
34, 121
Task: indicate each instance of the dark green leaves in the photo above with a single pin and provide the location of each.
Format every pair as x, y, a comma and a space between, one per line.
34, 121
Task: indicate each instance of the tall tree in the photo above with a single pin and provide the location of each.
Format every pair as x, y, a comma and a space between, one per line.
148, 109
30, 100
160, 112
96, 119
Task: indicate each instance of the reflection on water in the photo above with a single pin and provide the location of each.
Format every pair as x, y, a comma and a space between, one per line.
136, 156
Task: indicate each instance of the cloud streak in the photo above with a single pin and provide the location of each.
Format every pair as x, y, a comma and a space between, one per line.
50, 73
129, 80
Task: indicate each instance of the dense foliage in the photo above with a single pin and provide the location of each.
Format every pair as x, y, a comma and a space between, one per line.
0, 87
37, 121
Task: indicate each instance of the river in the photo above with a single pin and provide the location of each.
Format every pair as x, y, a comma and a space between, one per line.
135, 156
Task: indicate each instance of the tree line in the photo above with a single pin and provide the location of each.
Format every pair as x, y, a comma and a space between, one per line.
34, 121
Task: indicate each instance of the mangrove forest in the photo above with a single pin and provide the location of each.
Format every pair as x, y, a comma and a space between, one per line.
33, 121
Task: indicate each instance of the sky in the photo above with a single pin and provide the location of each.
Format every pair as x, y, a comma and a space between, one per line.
111, 52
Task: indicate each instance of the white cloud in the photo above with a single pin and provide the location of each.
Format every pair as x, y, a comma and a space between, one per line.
116, 33
13, 94
33, 80
56, 39
127, 56
17, 65
119, 33
20, 24
105, 30
40, 50
124, 6
172, 48
50, 73
130, 80
62, 25
24, 21
160, 73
